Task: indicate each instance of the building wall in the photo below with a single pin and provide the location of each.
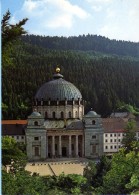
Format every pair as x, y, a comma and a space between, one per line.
77, 111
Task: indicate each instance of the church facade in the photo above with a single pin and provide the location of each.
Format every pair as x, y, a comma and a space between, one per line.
58, 126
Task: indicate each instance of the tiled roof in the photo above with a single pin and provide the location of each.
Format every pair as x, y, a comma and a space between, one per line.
14, 122
13, 129
113, 124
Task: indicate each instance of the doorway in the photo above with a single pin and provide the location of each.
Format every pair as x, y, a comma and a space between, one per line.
64, 152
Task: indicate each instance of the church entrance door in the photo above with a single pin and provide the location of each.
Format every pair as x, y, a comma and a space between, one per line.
64, 151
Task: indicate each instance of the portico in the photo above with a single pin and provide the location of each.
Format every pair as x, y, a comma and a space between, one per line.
65, 144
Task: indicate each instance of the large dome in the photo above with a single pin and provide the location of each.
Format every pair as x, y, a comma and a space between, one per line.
58, 88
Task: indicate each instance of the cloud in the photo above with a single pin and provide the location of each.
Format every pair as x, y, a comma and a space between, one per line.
122, 24
51, 14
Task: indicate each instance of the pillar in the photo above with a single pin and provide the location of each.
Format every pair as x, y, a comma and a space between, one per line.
76, 145
46, 146
60, 152
53, 146
69, 146
82, 145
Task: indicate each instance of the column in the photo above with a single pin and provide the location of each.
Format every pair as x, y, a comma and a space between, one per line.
60, 152
76, 145
53, 146
82, 145
69, 146
46, 146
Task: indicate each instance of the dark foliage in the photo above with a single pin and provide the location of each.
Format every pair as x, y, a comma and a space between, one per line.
105, 81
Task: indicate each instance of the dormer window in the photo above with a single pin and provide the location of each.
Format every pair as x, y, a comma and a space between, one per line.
93, 122
36, 123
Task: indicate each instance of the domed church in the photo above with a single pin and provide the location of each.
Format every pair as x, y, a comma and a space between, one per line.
58, 127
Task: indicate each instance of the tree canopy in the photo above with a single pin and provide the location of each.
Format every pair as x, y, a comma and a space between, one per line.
10, 34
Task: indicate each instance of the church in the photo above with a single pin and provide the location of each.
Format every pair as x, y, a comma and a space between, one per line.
58, 126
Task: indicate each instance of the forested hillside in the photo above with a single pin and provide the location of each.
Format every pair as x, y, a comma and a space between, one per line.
106, 79
85, 43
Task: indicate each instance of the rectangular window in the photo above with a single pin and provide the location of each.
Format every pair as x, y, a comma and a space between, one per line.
115, 140
36, 151
115, 147
119, 140
106, 140
106, 147
106, 135
94, 149
115, 135
94, 137
22, 137
55, 146
118, 134
111, 140
111, 147
36, 138
110, 135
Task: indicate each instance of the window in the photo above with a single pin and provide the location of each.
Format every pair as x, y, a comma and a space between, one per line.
115, 140
36, 138
69, 114
17, 137
36, 123
36, 151
115, 135
76, 114
110, 135
106, 147
94, 149
111, 147
111, 140
118, 134
106, 140
55, 146
94, 137
106, 135
46, 116
54, 115
115, 147
119, 140
62, 114
22, 137
93, 122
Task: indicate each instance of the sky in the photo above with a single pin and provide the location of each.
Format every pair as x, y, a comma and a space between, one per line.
115, 19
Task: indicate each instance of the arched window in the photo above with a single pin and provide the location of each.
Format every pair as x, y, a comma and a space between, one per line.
93, 122
36, 123
54, 115
62, 114
46, 116
69, 114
